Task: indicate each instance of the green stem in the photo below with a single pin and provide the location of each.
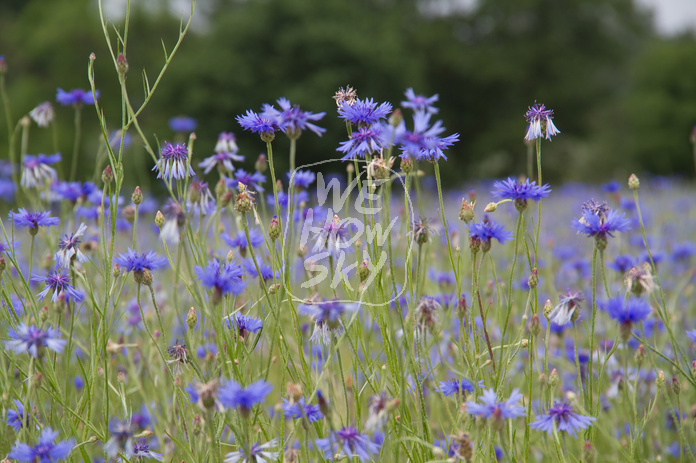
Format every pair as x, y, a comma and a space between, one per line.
76, 144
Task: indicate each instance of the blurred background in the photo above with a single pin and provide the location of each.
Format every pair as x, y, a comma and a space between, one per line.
619, 74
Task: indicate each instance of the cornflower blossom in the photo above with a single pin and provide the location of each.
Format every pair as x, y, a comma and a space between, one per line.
76, 97
692, 335
424, 142
43, 114
183, 124
600, 222
240, 241
205, 395
300, 409
350, 443
232, 395
58, 284
426, 314
248, 179
565, 311
456, 387
258, 453
223, 279
434, 147
174, 162
420, 102
622, 263
36, 169
121, 439
565, 419
16, 418
292, 118
540, 123
363, 142
137, 262
142, 450
327, 318
639, 280
178, 354
33, 340
227, 143
627, 312
47, 450
332, 236
263, 125
222, 160
364, 112
520, 193
486, 231
244, 324
421, 231
200, 198
302, 179
264, 270
491, 407
69, 248
73, 191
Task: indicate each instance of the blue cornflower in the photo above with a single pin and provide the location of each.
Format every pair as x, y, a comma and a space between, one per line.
262, 124
442, 278
490, 407
223, 279
456, 387
424, 142
244, 324
240, 241
233, 395
627, 312
173, 162
33, 220
259, 453
363, 112
292, 118
7, 190
69, 248
134, 261
433, 148
623, 263
221, 160
302, 178
327, 317
36, 169
539, 120
265, 270
75, 97
45, 451
612, 187
205, 395
488, 230
363, 142
16, 418
33, 340
565, 311
420, 102
58, 283
142, 450
183, 124
520, 193
691, 335
564, 417
302, 409
121, 439
72, 191
9, 247
250, 180
601, 224
350, 442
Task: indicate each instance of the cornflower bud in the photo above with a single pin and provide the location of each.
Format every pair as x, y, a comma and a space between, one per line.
261, 165
633, 182
676, 385
363, 271
553, 379
466, 213
396, 118
159, 219
660, 380
533, 280
191, 318
129, 213
197, 426
220, 189
121, 64
640, 355
536, 325
244, 202
274, 228
107, 175
147, 277
225, 200
406, 165
588, 453
491, 207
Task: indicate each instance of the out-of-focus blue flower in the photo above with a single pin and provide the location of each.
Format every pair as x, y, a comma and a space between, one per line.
244, 324
691, 335
33, 220
623, 263
292, 118
327, 317
58, 283
512, 189
76, 97
302, 409
487, 230
568, 304
142, 450
240, 241
265, 270
16, 418
349, 442
540, 123
259, 453
173, 162
565, 419
246, 178
36, 170
33, 340
491, 407
134, 261
612, 187
221, 160
7, 190
420, 102
423, 142
121, 439
47, 450
183, 124
261, 124
456, 387
233, 395
364, 112
43, 114
302, 178
632, 310
223, 279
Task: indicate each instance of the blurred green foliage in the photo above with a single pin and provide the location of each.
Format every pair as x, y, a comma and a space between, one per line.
624, 98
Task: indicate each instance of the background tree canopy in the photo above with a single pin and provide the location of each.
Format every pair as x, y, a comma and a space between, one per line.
624, 97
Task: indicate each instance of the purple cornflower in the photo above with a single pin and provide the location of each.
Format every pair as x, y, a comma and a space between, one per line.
327, 317
36, 170
350, 442
134, 261
565, 311
520, 193
33, 340
490, 407
264, 125
183, 124
623, 263
173, 162
240, 240
227, 143
221, 160
627, 312
301, 409
259, 453
302, 179
488, 230
58, 283
601, 223
420, 102
69, 248
16, 418
540, 120
265, 270
244, 324
292, 118
223, 279
433, 147
364, 112
456, 387
43, 114
121, 439
564, 417
424, 142
33, 220
363, 142
45, 451
72, 191
233, 395
332, 236
76, 97
250, 180
142, 450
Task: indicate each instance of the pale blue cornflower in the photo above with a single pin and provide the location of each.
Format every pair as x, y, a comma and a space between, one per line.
540, 123
563, 418
37, 170
47, 450
174, 162
33, 340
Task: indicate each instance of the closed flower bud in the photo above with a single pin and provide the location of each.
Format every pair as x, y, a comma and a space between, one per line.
293, 391
466, 213
137, 196
243, 203
363, 271
491, 207
43, 314
535, 328
147, 277
323, 404
225, 200
633, 182
474, 244
121, 64
676, 385
274, 228
197, 425
191, 318
230, 256
116, 271
406, 165
350, 168
121, 377
640, 355
660, 380
588, 453
107, 175
396, 118
3, 65
693, 369
195, 192
542, 378
524, 343
553, 379
129, 213
533, 280
261, 164
3, 265
159, 219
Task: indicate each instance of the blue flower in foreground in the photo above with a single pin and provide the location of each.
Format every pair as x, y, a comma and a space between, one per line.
58, 283
490, 407
244, 324
363, 142
233, 395
540, 120
420, 102
134, 261
519, 192
223, 279
45, 451
16, 418
601, 223
75, 97
364, 112
292, 118
488, 230
173, 162
454, 386
33, 220
262, 124
301, 409
433, 147
183, 124
259, 453
565, 419
349, 442
33, 340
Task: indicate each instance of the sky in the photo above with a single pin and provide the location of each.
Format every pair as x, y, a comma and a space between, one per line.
672, 16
